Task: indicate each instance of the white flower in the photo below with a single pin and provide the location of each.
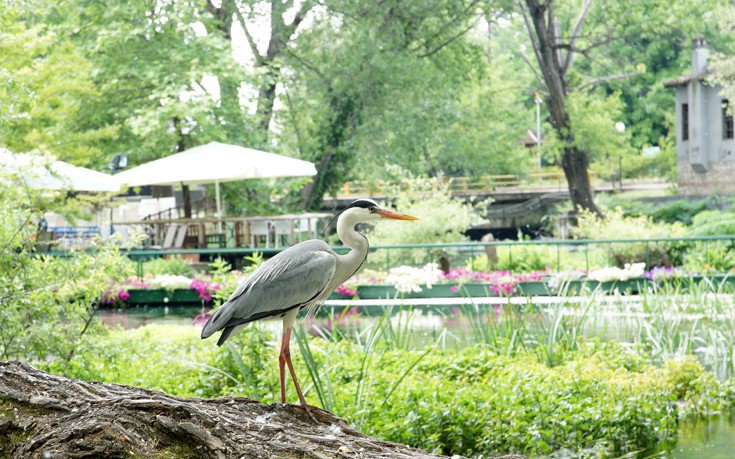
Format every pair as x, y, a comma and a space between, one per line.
170, 282
613, 273
407, 279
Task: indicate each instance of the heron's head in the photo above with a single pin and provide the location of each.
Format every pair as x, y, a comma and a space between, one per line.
366, 210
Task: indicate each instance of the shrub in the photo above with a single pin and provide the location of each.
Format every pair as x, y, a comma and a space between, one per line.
617, 226
46, 302
173, 264
471, 402
174, 359
713, 223
442, 219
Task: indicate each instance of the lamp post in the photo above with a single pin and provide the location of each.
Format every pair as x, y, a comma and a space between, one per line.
537, 98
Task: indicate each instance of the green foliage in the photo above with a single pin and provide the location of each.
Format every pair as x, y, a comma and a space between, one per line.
472, 401
709, 257
46, 82
713, 223
441, 217
594, 117
617, 226
171, 264
723, 63
175, 360
519, 259
46, 302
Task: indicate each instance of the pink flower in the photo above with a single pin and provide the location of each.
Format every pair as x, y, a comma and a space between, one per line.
454, 288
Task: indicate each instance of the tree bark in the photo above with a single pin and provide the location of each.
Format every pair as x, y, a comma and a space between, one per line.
543, 31
49, 416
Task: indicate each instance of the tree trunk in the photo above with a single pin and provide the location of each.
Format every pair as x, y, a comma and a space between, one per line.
333, 160
266, 99
49, 416
575, 163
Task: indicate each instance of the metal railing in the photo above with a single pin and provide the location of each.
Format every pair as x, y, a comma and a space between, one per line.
461, 185
466, 250
487, 184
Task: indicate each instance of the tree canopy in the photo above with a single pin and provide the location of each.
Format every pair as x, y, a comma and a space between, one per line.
436, 87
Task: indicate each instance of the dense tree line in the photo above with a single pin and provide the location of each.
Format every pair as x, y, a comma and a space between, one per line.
433, 86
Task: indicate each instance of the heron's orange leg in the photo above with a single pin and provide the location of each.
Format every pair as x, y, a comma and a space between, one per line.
285, 356
282, 362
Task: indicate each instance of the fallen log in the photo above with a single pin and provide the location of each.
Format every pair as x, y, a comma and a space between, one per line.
48, 416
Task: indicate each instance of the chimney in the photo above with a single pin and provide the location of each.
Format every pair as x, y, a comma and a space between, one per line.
699, 55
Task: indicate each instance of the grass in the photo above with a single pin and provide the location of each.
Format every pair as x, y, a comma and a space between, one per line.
522, 380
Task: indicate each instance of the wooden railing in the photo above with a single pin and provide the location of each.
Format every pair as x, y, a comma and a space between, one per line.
462, 185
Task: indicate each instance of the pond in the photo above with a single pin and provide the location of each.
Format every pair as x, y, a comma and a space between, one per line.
453, 327
711, 439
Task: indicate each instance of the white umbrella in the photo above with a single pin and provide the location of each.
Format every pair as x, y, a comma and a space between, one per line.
47, 174
215, 163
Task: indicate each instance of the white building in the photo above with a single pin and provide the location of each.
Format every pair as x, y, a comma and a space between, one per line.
705, 144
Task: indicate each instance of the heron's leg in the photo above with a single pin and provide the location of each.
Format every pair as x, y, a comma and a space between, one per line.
282, 361
285, 357
296, 382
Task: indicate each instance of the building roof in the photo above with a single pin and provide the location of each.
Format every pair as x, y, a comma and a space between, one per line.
684, 79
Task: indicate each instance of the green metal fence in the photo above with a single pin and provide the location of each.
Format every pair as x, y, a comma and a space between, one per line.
386, 256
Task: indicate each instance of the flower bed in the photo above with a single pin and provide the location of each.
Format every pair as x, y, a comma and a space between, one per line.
426, 282
161, 289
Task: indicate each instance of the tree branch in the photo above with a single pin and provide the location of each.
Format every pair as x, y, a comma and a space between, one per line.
74, 418
569, 59
620, 76
449, 40
539, 78
304, 9
443, 28
251, 42
531, 34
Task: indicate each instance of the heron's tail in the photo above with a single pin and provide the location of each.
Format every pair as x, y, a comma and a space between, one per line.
217, 321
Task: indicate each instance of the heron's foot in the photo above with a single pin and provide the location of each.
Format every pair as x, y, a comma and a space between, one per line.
315, 413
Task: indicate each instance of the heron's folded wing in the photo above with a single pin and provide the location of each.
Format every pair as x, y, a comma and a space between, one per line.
285, 281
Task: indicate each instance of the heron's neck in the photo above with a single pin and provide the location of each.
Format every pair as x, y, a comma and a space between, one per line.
350, 263
350, 236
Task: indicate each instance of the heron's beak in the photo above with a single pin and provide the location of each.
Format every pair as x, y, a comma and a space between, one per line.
394, 215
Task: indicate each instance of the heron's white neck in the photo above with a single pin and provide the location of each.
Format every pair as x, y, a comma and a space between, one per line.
348, 234
349, 263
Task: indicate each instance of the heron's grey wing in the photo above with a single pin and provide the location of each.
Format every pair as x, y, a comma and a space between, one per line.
291, 279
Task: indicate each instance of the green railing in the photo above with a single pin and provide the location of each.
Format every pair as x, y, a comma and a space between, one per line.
387, 255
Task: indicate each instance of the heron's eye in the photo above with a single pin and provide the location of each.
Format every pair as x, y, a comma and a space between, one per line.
373, 209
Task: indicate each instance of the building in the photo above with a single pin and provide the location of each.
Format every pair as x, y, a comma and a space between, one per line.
705, 145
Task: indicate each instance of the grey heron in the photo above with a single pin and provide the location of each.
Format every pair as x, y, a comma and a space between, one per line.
300, 277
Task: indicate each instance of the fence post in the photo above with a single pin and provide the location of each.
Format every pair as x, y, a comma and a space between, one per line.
706, 252
510, 256
587, 256
648, 254
558, 255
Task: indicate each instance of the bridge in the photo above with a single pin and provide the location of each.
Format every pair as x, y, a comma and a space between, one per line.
505, 190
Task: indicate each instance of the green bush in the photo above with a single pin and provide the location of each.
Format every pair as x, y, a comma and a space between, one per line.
713, 223
469, 402
46, 301
173, 264
616, 226
710, 257
174, 359
442, 218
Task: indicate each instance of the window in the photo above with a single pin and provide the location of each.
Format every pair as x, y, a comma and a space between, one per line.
684, 121
727, 125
